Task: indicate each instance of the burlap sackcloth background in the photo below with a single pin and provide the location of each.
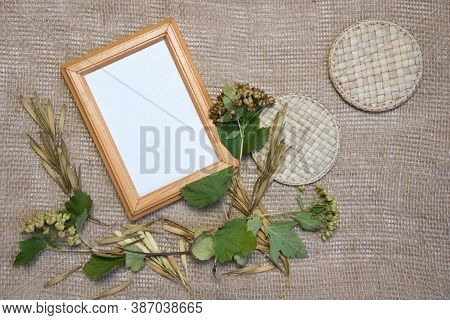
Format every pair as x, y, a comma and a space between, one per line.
391, 179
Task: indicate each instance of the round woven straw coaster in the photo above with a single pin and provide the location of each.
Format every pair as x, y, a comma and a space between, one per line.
375, 65
312, 133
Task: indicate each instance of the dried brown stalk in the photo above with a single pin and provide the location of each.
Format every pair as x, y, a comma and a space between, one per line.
252, 206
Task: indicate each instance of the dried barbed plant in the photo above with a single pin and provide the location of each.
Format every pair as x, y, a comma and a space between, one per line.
52, 150
164, 265
274, 159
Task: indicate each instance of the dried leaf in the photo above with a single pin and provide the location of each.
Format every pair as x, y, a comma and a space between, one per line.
136, 228
250, 270
112, 291
51, 119
52, 173
183, 258
60, 277
110, 240
72, 178
62, 116
129, 241
27, 106
41, 152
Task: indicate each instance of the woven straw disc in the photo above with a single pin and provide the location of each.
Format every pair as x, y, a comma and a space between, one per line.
311, 131
375, 65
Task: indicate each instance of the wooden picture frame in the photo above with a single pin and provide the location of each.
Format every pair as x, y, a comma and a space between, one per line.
75, 72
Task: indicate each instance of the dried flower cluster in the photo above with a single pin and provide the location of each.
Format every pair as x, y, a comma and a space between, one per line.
54, 222
237, 99
330, 217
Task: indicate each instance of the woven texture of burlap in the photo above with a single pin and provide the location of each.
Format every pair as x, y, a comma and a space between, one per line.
391, 180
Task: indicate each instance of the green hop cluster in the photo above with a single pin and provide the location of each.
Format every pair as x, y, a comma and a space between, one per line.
53, 222
237, 99
330, 216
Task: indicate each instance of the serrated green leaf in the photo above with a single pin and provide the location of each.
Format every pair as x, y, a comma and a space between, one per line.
98, 266
29, 249
306, 221
133, 259
233, 239
283, 239
79, 202
203, 248
79, 206
254, 224
208, 190
233, 135
254, 137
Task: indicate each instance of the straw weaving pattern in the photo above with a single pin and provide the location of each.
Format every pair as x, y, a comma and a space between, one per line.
312, 133
375, 65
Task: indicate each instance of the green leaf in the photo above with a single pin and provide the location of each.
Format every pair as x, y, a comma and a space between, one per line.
307, 221
29, 249
283, 239
229, 92
241, 260
317, 208
300, 202
254, 137
134, 260
79, 206
98, 266
233, 145
254, 224
203, 248
228, 103
199, 231
233, 239
233, 135
208, 190
78, 221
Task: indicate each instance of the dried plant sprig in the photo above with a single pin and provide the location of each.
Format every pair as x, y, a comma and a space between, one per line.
52, 224
274, 159
165, 266
52, 150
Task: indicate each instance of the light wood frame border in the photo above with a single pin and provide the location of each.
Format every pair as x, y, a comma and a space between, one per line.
74, 72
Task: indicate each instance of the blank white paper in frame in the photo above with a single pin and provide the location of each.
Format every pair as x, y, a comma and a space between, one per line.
151, 118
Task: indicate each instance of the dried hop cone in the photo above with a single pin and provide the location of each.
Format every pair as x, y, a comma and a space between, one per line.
53, 222
237, 99
331, 216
